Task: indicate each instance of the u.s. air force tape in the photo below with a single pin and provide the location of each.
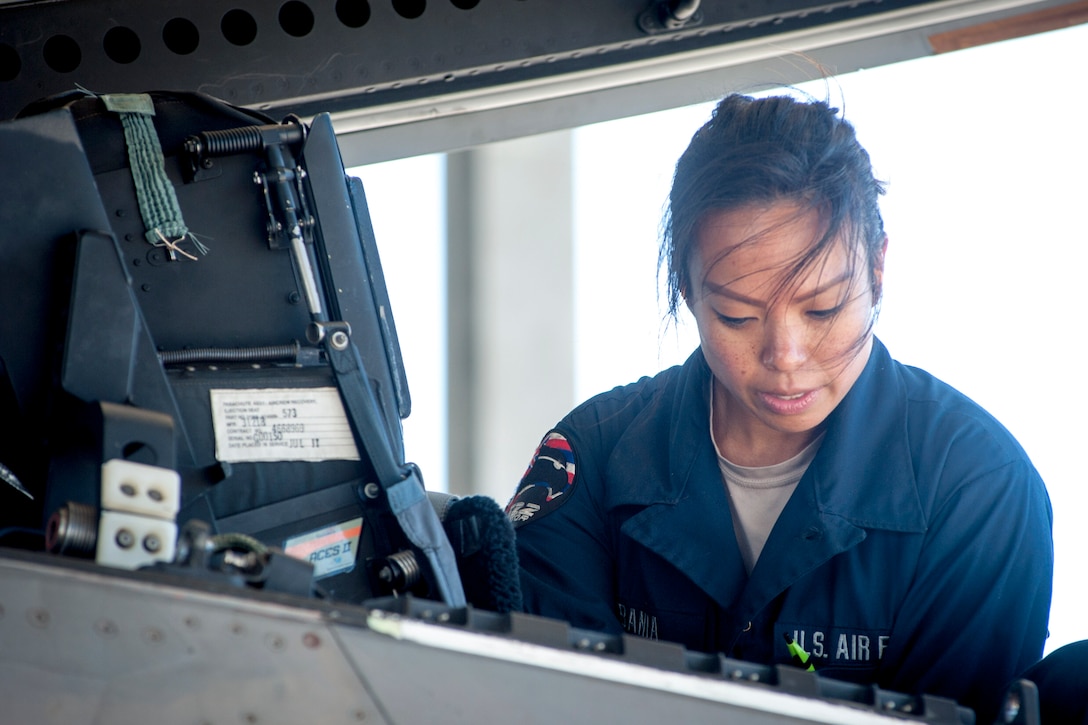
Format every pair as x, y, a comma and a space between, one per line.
547, 483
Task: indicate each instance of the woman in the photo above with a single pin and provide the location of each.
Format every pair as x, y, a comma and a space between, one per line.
791, 480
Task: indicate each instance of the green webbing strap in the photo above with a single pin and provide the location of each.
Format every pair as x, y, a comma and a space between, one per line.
154, 192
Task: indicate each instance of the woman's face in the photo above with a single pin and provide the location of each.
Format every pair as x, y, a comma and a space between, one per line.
783, 353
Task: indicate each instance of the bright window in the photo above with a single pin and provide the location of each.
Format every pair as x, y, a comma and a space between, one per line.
407, 208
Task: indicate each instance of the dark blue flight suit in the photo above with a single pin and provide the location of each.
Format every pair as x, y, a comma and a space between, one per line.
915, 553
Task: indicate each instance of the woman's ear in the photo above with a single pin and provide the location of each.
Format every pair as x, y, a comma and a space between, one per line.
878, 272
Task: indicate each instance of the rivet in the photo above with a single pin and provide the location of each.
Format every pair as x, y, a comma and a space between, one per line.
38, 618
106, 628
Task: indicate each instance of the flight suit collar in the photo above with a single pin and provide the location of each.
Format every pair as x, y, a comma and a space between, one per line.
686, 517
860, 478
863, 472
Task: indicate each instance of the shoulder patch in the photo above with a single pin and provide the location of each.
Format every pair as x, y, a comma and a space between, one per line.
547, 483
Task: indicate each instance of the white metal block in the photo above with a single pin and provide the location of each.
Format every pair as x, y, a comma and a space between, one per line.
129, 541
140, 489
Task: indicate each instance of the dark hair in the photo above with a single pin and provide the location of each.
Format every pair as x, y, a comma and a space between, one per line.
768, 150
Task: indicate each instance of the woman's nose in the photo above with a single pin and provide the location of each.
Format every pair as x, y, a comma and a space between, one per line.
784, 347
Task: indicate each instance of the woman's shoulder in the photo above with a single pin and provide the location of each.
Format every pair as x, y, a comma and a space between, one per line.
605, 417
624, 402
944, 424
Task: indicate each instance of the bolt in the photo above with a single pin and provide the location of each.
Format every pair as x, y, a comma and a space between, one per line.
152, 544
124, 538
339, 340
372, 490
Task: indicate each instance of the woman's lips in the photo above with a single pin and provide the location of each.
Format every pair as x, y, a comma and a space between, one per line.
788, 403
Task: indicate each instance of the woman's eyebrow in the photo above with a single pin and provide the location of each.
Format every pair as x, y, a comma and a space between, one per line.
725, 291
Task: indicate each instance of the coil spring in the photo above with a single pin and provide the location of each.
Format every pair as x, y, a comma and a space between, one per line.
72, 529
242, 139
230, 354
231, 141
401, 570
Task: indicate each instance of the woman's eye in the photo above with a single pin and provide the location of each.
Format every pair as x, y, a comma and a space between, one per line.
825, 314
732, 321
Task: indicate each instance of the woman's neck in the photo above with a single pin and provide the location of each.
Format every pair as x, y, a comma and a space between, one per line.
746, 441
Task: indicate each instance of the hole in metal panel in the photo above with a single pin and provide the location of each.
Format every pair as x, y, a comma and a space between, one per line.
121, 44
10, 63
353, 13
296, 18
180, 36
410, 9
239, 27
62, 54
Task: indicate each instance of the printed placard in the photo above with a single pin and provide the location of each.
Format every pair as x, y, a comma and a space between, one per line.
281, 424
331, 549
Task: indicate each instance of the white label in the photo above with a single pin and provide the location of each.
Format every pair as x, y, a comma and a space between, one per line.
281, 424
331, 550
